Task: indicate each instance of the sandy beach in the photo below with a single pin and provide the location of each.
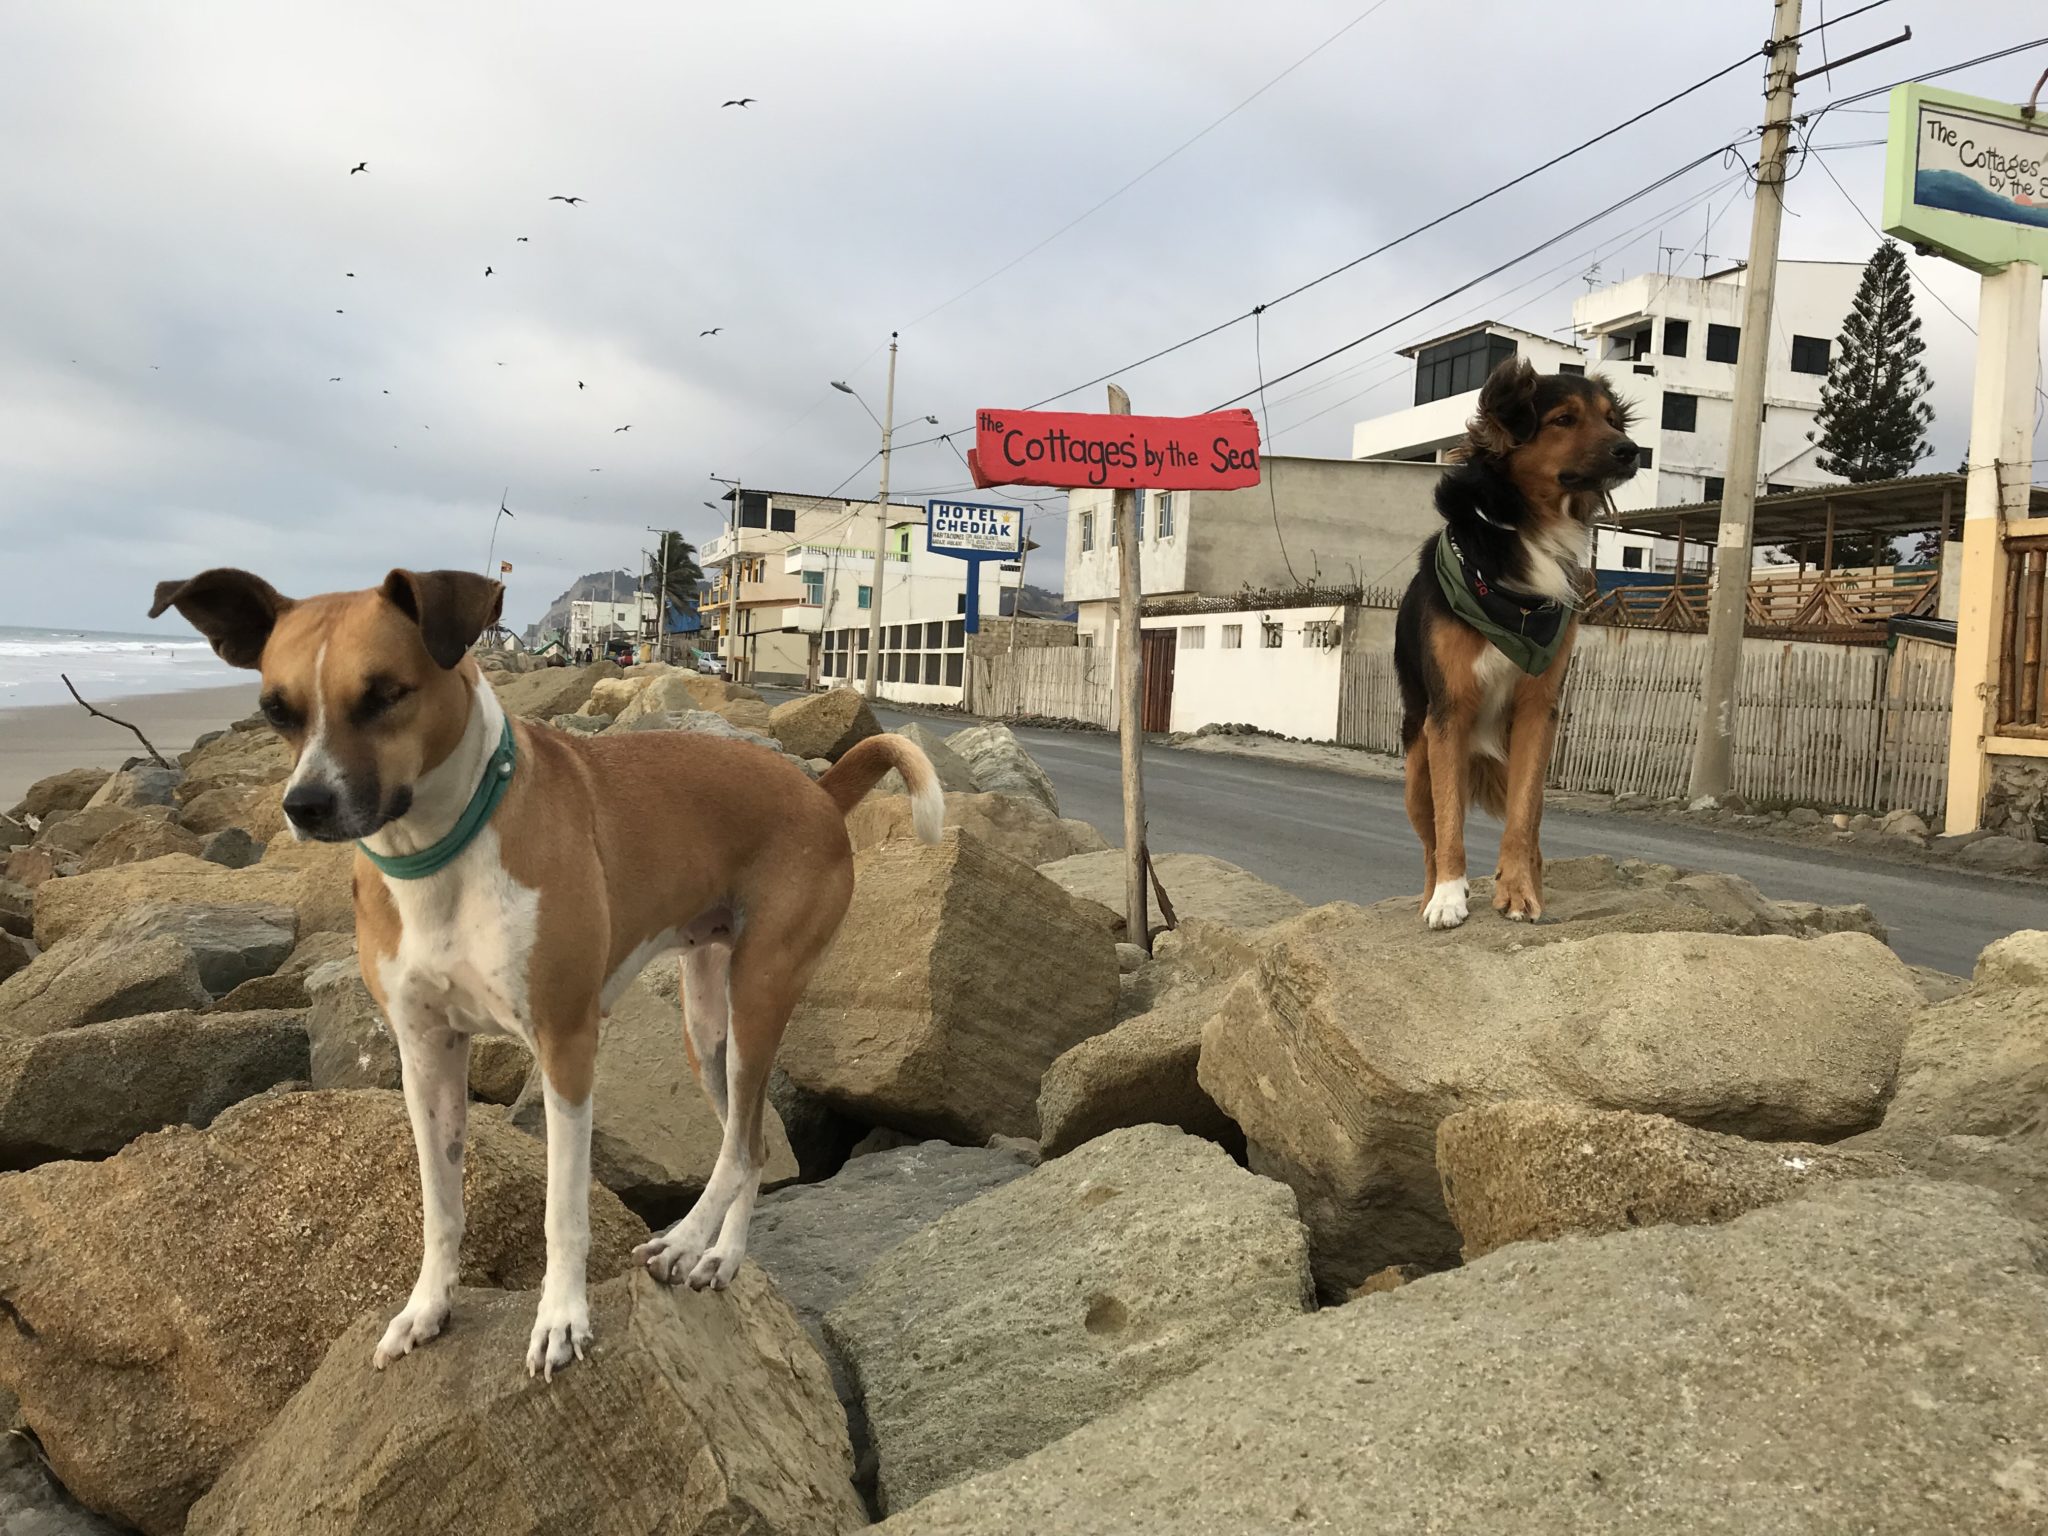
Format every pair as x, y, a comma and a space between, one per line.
42, 739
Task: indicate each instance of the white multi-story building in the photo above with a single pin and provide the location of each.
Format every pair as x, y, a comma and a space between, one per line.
593, 621
1668, 345
924, 612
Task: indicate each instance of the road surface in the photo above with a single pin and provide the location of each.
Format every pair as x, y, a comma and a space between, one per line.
1330, 837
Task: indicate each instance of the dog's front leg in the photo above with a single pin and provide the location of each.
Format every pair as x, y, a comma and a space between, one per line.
1448, 742
1532, 733
435, 1062
561, 1327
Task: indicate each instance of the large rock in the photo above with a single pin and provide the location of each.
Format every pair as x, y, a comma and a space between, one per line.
17, 909
696, 1412
612, 694
551, 691
89, 1091
141, 784
66, 791
1145, 1070
257, 809
953, 773
1340, 1054
231, 943
654, 1136
79, 832
998, 762
153, 1341
1014, 824
285, 987
823, 724
246, 756
1036, 1309
138, 840
667, 695
1867, 1359
30, 867
349, 1045
32, 1503
701, 721
86, 980
313, 879
1197, 885
16, 954
1524, 1171
957, 978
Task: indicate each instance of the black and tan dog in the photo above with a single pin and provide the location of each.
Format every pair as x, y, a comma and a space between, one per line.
1486, 628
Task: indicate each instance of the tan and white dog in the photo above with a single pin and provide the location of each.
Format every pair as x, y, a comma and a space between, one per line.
575, 861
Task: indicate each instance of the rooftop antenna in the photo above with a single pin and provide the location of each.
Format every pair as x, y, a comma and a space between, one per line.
1592, 276
1668, 250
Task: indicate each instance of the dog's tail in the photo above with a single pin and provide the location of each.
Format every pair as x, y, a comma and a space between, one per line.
848, 780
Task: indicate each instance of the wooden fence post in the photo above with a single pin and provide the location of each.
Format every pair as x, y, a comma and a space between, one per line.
1131, 704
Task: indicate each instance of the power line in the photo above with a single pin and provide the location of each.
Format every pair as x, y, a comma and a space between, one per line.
1095, 208
1563, 234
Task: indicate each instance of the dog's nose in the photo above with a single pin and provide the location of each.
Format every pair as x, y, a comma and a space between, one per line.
310, 807
1627, 452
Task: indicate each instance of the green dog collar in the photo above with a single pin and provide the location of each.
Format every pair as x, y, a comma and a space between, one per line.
490, 790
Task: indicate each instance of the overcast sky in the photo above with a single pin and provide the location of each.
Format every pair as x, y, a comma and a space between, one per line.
181, 224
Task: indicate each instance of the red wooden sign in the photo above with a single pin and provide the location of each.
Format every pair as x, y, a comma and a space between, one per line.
1217, 452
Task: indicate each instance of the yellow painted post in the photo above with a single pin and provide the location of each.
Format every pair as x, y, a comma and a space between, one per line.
2000, 473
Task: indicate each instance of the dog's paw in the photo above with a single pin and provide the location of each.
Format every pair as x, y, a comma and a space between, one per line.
1448, 905
419, 1322
1516, 898
672, 1256
715, 1270
560, 1330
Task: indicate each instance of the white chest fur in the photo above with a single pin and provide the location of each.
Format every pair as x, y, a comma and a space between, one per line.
1496, 677
465, 945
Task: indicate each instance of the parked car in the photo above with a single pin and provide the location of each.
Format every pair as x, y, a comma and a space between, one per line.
711, 666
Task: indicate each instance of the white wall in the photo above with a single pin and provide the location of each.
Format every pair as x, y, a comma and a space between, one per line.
1290, 691
919, 589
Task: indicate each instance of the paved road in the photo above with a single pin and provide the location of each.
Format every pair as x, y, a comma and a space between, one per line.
1330, 837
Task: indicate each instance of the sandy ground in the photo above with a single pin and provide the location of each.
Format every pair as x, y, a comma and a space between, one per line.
48, 738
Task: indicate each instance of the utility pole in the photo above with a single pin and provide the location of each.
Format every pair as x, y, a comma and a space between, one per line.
661, 595
1017, 596
732, 582
881, 531
1131, 704
1714, 750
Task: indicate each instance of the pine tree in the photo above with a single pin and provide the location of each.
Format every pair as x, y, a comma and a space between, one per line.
1874, 413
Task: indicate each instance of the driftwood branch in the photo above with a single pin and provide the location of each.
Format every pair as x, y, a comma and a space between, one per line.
147, 744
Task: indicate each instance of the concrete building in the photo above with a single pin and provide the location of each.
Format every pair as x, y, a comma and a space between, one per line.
1321, 522
780, 606
593, 621
1668, 345
924, 613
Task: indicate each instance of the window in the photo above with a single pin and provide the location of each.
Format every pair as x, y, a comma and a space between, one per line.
1723, 343
1320, 634
1645, 368
753, 509
913, 639
1457, 366
892, 637
934, 633
1138, 514
814, 586
1677, 333
1773, 488
1165, 518
1643, 456
1269, 634
955, 668
1233, 636
931, 667
892, 666
903, 542
1810, 354
782, 519
1577, 370
1087, 532
1632, 558
1193, 637
956, 634
865, 598
1681, 412
1714, 487
1639, 344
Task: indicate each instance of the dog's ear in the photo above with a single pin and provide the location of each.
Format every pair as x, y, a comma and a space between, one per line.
233, 609
1507, 408
451, 608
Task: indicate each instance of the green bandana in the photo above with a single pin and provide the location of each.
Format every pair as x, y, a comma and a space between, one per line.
1526, 630
490, 789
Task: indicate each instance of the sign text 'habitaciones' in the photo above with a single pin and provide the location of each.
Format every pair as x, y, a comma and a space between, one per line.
1216, 452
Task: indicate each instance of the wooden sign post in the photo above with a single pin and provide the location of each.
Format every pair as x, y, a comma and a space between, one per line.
1123, 454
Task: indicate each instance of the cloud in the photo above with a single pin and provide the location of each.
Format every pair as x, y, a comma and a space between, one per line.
181, 218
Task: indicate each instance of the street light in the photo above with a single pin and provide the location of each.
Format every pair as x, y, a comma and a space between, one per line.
732, 579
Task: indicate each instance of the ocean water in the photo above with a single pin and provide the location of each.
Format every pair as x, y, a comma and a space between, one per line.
103, 664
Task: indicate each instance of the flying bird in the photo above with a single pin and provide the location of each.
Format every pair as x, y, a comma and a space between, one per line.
626, 428
742, 101
386, 392
712, 332
487, 273
335, 380
348, 274
341, 311
571, 201
361, 165
521, 239
579, 383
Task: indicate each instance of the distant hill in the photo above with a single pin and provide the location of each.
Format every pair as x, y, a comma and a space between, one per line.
1038, 601
596, 584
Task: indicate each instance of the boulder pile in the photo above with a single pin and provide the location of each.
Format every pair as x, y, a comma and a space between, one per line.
1685, 1209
